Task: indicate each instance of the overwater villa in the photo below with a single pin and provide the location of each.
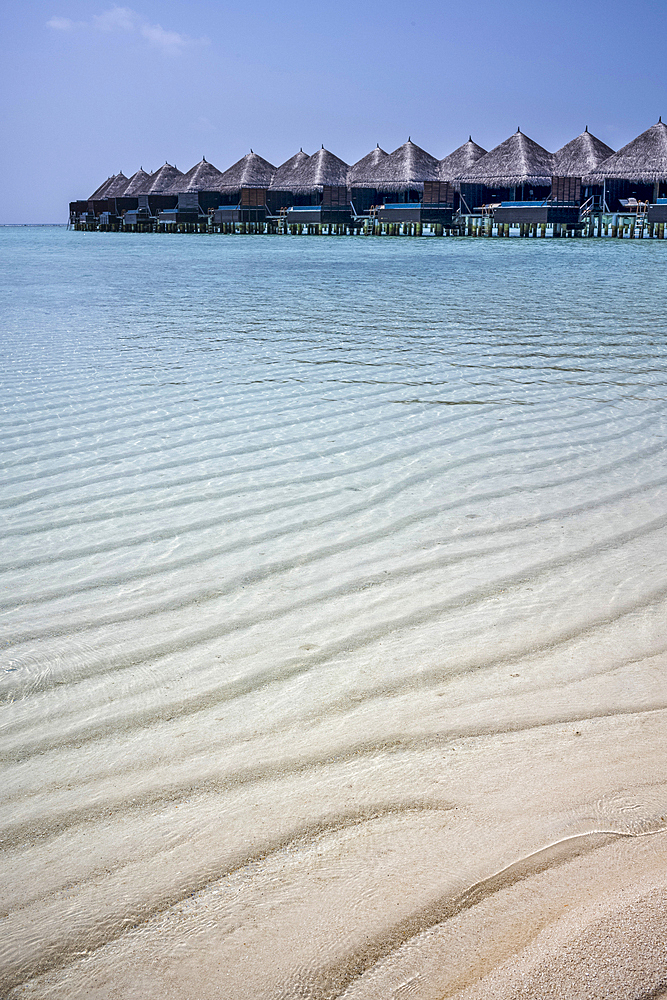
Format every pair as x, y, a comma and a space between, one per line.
515, 176
155, 197
442, 198
362, 181
400, 182
579, 158
583, 187
243, 189
281, 192
317, 190
197, 193
636, 175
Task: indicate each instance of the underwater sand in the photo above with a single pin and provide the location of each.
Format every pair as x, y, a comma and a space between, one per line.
333, 592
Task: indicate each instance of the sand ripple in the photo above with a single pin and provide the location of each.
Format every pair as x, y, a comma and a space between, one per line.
333, 627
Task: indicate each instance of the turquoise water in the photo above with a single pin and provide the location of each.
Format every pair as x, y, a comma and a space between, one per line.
331, 586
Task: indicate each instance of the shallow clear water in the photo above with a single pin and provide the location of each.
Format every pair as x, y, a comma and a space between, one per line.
332, 585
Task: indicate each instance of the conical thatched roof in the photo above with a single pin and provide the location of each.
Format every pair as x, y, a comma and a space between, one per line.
117, 186
580, 156
138, 183
461, 159
517, 160
165, 179
282, 179
643, 160
407, 168
363, 173
100, 192
319, 169
251, 171
202, 177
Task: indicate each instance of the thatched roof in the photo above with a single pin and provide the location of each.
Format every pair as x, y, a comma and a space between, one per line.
580, 156
643, 160
282, 179
202, 177
406, 169
117, 186
100, 192
319, 169
251, 171
164, 179
138, 183
517, 160
461, 159
363, 173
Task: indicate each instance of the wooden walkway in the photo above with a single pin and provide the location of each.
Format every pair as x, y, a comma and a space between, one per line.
614, 227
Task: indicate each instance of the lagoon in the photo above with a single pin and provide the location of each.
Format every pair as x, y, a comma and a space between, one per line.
334, 607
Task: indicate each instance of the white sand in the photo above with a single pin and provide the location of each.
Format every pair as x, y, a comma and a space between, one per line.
595, 927
375, 911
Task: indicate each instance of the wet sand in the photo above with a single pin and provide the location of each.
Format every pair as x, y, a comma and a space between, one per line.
405, 902
591, 927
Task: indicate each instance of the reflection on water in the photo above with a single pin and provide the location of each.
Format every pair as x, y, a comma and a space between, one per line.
332, 602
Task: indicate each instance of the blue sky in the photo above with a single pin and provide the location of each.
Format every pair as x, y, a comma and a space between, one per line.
92, 88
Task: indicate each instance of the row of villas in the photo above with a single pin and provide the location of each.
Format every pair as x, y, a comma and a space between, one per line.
516, 182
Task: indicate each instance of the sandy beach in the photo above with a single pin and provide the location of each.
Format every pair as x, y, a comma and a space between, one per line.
403, 902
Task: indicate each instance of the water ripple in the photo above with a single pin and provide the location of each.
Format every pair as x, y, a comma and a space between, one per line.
326, 606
